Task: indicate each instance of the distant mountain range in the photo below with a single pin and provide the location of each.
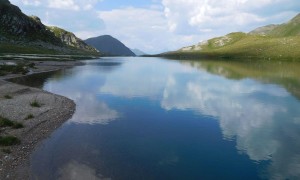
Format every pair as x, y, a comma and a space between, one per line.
20, 33
109, 46
268, 42
138, 52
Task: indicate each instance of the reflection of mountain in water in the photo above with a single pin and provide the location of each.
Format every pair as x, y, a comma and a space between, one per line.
263, 118
106, 66
285, 74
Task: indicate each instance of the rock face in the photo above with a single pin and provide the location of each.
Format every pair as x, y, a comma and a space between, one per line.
19, 29
110, 46
70, 39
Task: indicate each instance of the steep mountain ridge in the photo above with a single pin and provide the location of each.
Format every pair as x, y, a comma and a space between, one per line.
109, 46
20, 33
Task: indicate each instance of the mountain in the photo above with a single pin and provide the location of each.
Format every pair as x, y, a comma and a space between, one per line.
20, 33
109, 46
269, 42
138, 52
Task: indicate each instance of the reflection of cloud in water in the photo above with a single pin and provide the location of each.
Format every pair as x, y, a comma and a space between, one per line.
76, 171
261, 117
250, 112
141, 80
90, 110
82, 88
169, 160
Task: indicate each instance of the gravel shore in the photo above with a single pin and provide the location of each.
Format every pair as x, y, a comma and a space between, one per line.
54, 110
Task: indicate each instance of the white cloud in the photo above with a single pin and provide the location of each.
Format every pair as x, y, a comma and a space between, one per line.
146, 29
165, 24
33, 3
198, 15
66, 4
73, 4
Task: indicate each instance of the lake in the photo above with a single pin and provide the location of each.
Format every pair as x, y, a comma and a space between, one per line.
152, 118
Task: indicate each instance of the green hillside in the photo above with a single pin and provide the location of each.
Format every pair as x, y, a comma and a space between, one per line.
269, 42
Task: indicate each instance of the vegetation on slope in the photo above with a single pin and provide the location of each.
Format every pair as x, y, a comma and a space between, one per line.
269, 42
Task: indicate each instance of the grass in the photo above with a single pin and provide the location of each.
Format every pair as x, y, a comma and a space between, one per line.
15, 69
9, 141
7, 151
30, 116
247, 47
18, 125
280, 43
22, 49
4, 122
35, 104
8, 97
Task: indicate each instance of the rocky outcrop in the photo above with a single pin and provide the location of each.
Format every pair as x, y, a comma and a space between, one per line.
70, 39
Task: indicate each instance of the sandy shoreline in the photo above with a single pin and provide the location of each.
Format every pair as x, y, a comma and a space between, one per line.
54, 111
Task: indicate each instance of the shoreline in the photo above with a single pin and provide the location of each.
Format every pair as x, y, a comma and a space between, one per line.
53, 112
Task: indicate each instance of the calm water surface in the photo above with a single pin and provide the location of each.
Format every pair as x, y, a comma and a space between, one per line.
149, 118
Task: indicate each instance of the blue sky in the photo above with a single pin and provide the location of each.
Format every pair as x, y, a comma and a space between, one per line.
156, 26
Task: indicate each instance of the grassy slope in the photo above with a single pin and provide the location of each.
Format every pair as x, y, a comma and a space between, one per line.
7, 48
283, 42
250, 46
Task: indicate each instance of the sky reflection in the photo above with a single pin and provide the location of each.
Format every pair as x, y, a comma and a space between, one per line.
262, 118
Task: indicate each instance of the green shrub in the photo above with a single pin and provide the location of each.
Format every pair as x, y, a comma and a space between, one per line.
35, 104
4, 122
9, 140
18, 126
7, 151
30, 116
8, 97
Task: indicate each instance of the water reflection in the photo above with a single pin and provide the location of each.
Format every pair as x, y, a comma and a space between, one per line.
90, 109
283, 73
76, 171
255, 104
262, 118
